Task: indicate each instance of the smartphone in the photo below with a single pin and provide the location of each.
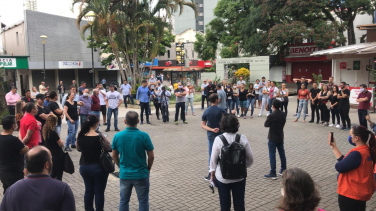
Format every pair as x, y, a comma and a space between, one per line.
331, 137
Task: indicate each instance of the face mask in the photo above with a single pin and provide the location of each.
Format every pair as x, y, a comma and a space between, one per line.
180, 87
228, 86
188, 84
362, 89
152, 76
86, 94
282, 192
350, 141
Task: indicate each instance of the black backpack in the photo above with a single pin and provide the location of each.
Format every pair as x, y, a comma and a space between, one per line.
233, 160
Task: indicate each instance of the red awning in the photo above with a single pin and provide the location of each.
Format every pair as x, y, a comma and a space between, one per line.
302, 59
183, 69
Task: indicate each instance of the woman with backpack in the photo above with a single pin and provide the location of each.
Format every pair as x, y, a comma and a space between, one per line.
228, 181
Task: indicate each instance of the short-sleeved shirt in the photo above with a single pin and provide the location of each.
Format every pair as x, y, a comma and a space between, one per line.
85, 109
125, 89
222, 97
256, 89
344, 102
366, 104
203, 86
180, 99
42, 110
96, 106
101, 96
11, 161
41, 87
132, 145
28, 100
53, 106
243, 95
240, 83
299, 85
72, 110
80, 90
90, 149
152, 80
164, 95
103, 81
213, 116
113, 99
51, 142
314, 92
28, 122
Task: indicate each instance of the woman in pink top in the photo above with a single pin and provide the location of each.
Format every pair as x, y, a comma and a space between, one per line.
299, 192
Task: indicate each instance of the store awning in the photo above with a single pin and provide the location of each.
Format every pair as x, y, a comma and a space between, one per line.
183, 69
357, 49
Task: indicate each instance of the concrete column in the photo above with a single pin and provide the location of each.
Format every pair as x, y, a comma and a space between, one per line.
96, 78
119, 77
56, 78
18, 84
30, 79
76, 77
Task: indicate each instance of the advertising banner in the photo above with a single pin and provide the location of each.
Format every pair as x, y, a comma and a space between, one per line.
70, 64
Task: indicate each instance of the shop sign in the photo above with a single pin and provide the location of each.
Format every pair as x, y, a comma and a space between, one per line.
8, 62
302, 51
70, 64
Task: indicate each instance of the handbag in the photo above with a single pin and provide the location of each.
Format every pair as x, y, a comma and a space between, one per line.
68, 163
106, 160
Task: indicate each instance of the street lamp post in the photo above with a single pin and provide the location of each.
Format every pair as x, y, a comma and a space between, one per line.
90, 16
44, 38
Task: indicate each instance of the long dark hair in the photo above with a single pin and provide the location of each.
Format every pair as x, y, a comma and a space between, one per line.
249, 89
367, 137
337, 90
300, 193
87, 124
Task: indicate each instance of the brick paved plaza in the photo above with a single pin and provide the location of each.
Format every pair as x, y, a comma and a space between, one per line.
181, 160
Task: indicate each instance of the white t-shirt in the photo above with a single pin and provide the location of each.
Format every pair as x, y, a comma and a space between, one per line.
266, 89
125, 89
216, 154
191, 94
41, 87
113, 99
256, 89
152, 80
275, 91
102, 97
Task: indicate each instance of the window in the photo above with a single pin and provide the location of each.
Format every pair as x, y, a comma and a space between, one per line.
168, 53
201, 23
18, 41
201, 14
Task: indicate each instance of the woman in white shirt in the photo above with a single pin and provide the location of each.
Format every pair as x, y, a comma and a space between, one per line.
34, 92
229, 125
189, 98
265, 98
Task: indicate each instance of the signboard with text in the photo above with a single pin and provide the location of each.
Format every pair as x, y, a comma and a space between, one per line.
70, 64
8, 62
302, 51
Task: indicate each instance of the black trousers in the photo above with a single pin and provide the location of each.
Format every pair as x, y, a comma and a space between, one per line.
182, 113
12, 110
347, 204
344, 113
58, 165
325, 113
165, 113
9, 179
362, 117
284, 105
315, 109
157, 108
144, 108
203, 97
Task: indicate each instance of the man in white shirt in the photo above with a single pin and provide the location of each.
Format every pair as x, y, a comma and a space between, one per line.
126, 89
152, 82
42, 88
113, 101
240, 82
102, 97
203, 96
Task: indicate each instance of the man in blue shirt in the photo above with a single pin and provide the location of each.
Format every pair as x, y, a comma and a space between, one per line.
142, 97
126, 89
211, 120
131, 145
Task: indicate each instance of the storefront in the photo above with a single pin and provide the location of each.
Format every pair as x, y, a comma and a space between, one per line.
299, 63
181, 74
12, 66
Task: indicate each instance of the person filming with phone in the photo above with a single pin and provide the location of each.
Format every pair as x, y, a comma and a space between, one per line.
356, 181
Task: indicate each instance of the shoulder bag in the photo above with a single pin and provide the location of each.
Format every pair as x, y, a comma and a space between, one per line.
105, 159
68, 163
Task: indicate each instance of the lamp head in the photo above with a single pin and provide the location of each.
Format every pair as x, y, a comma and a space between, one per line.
90, 16
44, 38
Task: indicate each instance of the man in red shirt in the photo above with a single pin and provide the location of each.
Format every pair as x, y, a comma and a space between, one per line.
363, 99
29, 134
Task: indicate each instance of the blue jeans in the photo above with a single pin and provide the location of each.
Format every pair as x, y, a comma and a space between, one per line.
237, 189
72, 131
187, 102
281, 151
142, 190
302, 106
109, 114
95, 179
229, 105
270, 105
83, 118
235, 103
250, 102
58, 129
125, 99
362, 117
98, 114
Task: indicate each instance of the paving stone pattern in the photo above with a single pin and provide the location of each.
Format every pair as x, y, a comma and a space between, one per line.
181, 162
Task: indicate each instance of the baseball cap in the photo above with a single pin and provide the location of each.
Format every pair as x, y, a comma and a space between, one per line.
40, 96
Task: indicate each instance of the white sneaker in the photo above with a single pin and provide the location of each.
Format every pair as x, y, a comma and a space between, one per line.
238, 116
267, 114
331, 125
259, 115
338, 126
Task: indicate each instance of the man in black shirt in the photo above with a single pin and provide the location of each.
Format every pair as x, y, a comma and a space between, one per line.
61, 89
27, 97
313, 95
299, 83
43, 111
11, 154
210, 89
56, 110
344, 106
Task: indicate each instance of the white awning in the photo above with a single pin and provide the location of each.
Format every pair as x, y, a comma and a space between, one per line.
362, 48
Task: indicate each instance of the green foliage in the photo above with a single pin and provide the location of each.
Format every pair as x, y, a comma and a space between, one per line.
317, 78
217, 79
228, 52
206, 45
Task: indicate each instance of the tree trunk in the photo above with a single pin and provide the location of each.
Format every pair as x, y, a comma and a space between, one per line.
351, 39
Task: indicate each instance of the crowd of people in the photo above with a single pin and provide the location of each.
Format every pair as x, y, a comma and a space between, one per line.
38, 118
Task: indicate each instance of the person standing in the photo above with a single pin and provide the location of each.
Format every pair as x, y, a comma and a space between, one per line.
299, 83
203, 96
61, 89
221, 97
34, 92
229, 97
303, 96
11, 154
284, 95
235, 99
102, 97
152, 82
90, 144
54, 144
71, 115
43, 111
86, 108
257, 92
74, 84
38, 190
28, 98
180, 94
126, 90
96, 107
190, 97
344, 106
20, 111
229, 126
104, 83
129, 150
243, 99
210, 89
356, 180
76, 96
165, 101
273, 93
240, 82
113, 101
42, 88
323, 100
82, 88
276, 122
12, 97
29, 134
251, 98
364, 99
262, 84
46, 99
333, 101
54, 107
142, 98
331, 84
211, 123
265, 98
314, 96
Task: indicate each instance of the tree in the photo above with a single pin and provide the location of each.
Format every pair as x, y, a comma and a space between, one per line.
206, 45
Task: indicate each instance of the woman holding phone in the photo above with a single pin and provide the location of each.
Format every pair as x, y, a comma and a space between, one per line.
356, 180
